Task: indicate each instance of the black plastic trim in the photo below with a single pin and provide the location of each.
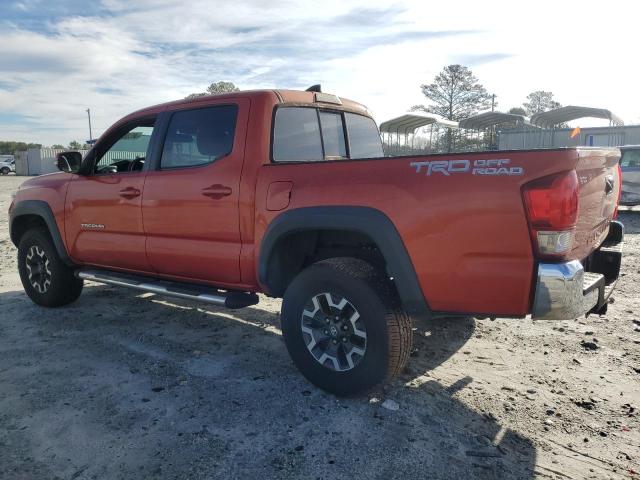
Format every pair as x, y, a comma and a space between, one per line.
365, 220
41, 209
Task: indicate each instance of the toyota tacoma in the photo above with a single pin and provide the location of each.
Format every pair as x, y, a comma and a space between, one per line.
289, 193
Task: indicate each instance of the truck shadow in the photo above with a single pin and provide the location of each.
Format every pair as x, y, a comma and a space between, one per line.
181, 389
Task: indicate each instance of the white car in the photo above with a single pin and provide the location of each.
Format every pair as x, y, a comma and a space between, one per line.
7, 165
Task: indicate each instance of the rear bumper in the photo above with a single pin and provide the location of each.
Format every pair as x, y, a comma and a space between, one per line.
569, 290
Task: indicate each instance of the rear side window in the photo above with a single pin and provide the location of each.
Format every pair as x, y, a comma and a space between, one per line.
296, 137
364, 138
198, 137
306, 134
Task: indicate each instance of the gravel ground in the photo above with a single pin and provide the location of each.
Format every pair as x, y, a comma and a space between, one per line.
123, 385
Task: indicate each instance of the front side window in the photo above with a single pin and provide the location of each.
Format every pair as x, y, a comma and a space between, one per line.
364, 138
128, 152
198, 137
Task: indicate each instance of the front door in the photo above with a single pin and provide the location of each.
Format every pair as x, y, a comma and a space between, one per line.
103, 213
190, 200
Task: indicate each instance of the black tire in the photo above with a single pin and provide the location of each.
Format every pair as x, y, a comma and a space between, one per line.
5, 171
35, 249
388, 327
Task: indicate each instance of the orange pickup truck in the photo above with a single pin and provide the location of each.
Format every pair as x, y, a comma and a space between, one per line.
289, 193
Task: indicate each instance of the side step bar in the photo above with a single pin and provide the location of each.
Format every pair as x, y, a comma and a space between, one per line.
190, 291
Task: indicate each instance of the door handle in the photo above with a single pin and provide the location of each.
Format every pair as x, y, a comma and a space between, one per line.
216, 191
130, 192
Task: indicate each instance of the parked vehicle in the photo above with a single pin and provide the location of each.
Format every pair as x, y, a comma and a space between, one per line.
289, 193
630, 165
7, 165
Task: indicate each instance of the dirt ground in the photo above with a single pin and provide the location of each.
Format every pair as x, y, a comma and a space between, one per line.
128, 385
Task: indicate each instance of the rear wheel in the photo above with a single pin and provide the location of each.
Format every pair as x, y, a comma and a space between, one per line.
343, 326
45, 277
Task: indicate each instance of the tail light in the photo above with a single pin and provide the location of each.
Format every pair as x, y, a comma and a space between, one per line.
552, 210
615, 212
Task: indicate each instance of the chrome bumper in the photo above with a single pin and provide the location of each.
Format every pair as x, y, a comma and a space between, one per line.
565, 291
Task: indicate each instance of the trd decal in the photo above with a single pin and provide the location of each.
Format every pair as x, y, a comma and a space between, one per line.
492, 167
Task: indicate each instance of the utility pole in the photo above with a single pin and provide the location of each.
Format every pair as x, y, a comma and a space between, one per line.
89, 115
493, 102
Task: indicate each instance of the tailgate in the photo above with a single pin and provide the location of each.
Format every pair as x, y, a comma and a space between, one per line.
599, 181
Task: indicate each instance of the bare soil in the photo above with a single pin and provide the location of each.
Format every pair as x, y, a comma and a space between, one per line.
128, 385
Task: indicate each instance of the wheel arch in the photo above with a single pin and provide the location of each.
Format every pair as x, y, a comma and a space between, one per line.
36, 213
275, 270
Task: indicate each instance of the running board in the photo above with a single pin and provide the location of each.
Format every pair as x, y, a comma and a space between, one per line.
190, 291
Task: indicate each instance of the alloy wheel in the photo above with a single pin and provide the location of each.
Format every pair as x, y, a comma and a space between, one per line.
333, 332
37, 264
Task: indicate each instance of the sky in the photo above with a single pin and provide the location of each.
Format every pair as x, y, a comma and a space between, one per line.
58, 58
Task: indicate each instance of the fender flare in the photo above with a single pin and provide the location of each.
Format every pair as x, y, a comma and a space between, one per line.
40, 209
368, 221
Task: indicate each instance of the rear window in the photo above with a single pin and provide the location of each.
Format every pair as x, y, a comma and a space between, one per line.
630, 159
333, 135
364, 138
305, 134
296, 137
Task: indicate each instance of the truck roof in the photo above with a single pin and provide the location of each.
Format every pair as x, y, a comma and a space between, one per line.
278, 96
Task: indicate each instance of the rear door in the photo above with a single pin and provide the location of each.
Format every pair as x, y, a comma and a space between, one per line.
103, 213
190, 201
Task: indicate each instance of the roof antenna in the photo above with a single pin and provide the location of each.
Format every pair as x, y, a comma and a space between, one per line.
314, 88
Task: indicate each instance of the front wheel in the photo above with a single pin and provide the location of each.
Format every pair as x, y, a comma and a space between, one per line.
45, 277
343, 326
5, 171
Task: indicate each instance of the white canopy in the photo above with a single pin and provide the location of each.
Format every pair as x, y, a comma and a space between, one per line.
485, 120
409, 122
570, 112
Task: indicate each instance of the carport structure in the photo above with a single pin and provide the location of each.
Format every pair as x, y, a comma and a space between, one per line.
551, 122
479, 132
416, 133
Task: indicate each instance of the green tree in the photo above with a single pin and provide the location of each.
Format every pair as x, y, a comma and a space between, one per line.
10, 147
75, 145
540, 101
216, 88
455, 94
57, 146
517, 111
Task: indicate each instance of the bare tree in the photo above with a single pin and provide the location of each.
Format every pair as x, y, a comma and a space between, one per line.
540, 101
455, 94
215, 89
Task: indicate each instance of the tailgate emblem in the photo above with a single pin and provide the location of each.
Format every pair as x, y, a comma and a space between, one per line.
608, 184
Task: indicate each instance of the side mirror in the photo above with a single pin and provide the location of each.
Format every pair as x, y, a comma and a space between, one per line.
69, 161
